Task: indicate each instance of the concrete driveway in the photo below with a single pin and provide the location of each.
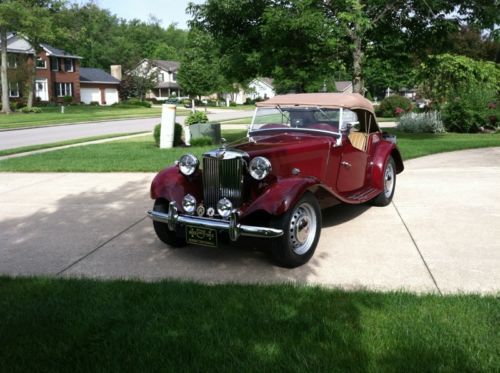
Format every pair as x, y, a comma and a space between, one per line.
441, 234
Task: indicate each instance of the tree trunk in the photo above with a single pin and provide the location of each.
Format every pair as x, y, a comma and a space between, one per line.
193, 109
3, 72
32, 84
357, 73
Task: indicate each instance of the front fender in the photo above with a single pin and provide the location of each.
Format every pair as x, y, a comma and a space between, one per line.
171, 185
281, 195
380, 158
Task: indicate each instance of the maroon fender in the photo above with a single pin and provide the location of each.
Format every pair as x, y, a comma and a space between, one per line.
171, 185
380, 157
280, 196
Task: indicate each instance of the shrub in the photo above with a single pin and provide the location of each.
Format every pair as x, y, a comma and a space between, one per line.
134, 102
31, 110
177, 134
471, 110
68, 99
429, 122
393, 105
202, 141
232, 103
196, 117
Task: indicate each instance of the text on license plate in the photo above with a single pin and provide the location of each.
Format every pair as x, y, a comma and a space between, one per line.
201, 236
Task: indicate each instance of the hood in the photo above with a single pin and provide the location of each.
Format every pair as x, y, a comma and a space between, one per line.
286, 152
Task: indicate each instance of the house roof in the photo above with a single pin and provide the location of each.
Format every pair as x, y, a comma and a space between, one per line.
52, 51
18, 44
170, 66
266, 81
342, 86
344, 100
93, 75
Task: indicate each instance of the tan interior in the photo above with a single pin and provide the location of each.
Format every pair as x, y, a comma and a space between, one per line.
359, 140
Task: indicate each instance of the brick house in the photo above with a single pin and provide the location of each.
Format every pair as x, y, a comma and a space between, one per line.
58, 74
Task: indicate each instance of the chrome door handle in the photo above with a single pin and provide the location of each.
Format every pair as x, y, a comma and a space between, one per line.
346, 164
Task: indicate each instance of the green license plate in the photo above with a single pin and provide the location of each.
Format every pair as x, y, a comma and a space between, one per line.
201, 236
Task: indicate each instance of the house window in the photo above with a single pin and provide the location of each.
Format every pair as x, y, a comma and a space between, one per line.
41, 63
174, 77
14, 89
11, 61
68, 65
54, 63
161, 77
64, 89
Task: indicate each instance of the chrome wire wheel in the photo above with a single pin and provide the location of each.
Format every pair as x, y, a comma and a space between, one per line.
303, 227
389, 180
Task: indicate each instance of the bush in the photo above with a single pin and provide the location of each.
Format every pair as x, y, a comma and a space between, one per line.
177, 134
394, 106
68, 99
135, 102
471, 110
232, 103
202, 141
196, 117
421, 123
31, 110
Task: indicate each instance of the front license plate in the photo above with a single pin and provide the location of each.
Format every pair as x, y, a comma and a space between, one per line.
201, 236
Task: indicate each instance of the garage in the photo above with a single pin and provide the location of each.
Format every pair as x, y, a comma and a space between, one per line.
111, 96
89, 95
96, 85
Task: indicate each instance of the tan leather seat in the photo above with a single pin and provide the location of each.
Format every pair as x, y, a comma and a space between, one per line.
358, 140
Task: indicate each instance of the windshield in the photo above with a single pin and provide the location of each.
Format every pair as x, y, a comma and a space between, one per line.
315, 119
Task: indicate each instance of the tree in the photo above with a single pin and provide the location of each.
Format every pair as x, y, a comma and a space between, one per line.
9, 20
243, 30
37, 26
139, 81
199, 73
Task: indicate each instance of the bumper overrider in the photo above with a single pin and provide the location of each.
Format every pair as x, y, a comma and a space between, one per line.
231, 226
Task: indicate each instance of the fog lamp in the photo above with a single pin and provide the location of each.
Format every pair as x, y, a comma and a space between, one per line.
189, 203
224, 207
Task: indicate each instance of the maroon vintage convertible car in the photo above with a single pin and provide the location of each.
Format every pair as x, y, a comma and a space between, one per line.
304, 152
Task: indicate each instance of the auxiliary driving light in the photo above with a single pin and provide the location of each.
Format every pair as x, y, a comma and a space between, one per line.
189, 203
224, 207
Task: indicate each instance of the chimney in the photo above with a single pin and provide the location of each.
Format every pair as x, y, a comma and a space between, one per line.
116, 71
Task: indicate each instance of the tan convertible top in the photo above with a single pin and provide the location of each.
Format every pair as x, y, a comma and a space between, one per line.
344, 100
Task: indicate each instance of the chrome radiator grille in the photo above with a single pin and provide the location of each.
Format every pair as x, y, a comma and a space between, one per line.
222, 178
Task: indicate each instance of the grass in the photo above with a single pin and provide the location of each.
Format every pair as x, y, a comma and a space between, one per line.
86, 325
75, 114
30, 148
138, 154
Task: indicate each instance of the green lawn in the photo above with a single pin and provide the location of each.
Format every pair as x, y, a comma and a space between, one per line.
75, 114
30, 148
56, 325
140, 154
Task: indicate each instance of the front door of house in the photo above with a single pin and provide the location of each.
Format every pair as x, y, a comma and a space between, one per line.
42, 90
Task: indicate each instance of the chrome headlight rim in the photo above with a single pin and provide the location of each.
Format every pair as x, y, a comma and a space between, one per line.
224, 207
188, 164
259, 168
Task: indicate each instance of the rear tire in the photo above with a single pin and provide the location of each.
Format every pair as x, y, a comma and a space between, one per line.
167, 236
301, 227
385, 198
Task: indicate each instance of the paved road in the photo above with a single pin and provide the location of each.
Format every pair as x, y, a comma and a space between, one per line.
440, 234
45, 135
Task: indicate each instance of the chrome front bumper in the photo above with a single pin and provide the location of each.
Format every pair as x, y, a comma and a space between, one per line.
231, 226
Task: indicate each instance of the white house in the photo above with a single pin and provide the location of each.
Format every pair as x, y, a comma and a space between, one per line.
166, 72
258, 88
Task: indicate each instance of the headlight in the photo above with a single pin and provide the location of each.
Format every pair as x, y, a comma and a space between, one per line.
224, 207
260, 167
189, 203
188, 164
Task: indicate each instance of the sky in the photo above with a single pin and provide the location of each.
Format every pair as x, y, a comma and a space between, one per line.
168, 11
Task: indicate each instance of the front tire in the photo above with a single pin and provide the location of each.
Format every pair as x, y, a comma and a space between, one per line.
384, 198
302, 227
167, 236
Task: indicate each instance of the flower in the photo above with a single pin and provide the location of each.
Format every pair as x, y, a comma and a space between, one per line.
399, 111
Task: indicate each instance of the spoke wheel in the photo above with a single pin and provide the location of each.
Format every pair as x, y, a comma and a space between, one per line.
389, 183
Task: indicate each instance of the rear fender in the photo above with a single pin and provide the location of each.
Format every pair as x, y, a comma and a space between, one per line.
380, 158
171, 185
281, 196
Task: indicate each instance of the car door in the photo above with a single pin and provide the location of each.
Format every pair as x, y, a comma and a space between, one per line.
352, 170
